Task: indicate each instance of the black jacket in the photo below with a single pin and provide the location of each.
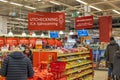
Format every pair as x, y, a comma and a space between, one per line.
116, 64
110, 51
17, 67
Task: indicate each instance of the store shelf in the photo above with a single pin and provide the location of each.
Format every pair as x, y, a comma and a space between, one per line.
81, 75
75, 59
79, 70
71, 54
89, 62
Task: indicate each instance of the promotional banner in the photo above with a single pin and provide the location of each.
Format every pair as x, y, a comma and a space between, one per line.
12, 41
105, 23
46, 21
24, 41
2, 41
84, 22
32, 41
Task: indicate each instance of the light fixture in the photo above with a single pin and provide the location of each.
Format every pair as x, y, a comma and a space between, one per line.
39, 0
23, 34
116, 11
3, 1
81, 2
21, 19
61, 32
67, 21
54, 2
10, 33
78, 12
30, 7
17, 4
42, 35
71, 33
33, 34
95, 8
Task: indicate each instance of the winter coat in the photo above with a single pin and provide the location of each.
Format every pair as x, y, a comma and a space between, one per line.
116, 64
110, 51
17, 67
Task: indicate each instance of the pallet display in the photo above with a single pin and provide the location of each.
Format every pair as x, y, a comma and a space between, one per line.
78, 65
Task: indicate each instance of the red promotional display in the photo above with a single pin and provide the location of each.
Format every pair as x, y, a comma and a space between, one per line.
46, 21
32, 41
43, 56
84, 22
51, 42
2, 41
12, 41
24, 41
105, 23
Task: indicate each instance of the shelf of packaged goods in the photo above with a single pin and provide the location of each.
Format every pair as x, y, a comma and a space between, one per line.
89, 77
71, 54
81, 75
88, 62
81, 69
72, 59
9, 51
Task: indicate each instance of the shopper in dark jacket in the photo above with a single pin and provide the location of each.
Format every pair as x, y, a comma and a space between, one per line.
109, 53
17, 67
116, 65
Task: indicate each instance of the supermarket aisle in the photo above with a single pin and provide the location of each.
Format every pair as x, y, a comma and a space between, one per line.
100, 75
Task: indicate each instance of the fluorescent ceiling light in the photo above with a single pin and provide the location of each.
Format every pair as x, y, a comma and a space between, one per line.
116, 11
95, 8
61, 32
21, 19
54, 2
81, 2
29, 7
17, 4
67, 21
3, 1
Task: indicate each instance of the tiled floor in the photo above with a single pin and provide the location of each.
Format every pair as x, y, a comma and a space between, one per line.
100, 75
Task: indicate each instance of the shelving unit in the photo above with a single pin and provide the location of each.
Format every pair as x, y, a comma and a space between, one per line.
78, 65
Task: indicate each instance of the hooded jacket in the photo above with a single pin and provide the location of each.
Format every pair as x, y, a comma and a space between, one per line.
110, 51
116, 64
17, 67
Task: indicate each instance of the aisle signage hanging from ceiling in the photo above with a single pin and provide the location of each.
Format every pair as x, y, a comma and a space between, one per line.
54, 35
46, 21
84, 22
2, 41
82, 33
12, 41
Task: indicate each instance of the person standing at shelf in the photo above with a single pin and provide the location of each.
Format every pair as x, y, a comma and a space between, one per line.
28, 53
109, 53
17, 67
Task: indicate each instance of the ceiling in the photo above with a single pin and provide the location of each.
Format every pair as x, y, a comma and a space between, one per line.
17, 14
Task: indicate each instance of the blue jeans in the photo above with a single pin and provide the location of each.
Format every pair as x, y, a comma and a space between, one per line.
110, 72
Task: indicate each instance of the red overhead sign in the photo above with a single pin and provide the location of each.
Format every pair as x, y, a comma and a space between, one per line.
2, 41
84, 22
12, 41
46, 21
